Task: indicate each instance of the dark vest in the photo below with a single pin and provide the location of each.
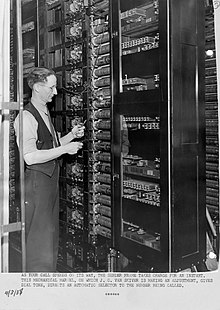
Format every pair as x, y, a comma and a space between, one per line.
44, 142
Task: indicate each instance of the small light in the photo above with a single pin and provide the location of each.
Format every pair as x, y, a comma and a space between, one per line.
210, 53
212, 255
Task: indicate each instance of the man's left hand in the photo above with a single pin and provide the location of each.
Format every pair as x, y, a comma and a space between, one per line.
78, 131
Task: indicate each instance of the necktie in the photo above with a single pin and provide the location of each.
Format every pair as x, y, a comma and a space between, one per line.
52, 130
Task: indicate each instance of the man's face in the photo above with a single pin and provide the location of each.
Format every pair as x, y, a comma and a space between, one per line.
48, 89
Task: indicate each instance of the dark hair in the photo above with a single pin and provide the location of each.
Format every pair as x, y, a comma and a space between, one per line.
38, 74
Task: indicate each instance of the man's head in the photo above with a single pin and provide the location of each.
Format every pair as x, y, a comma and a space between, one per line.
43, 83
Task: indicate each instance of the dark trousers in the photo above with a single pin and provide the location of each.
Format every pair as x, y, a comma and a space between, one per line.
42, 220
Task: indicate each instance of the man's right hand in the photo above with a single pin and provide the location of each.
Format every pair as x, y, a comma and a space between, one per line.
72, 147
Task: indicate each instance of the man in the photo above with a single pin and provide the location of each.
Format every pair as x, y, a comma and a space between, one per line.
41, 149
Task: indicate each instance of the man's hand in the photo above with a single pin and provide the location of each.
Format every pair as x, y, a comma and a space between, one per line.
78, 131
43, 156
72, 147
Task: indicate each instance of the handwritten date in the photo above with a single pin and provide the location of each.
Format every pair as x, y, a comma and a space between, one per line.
14, 292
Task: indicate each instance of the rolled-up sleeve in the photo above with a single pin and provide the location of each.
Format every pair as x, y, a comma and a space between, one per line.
30, 126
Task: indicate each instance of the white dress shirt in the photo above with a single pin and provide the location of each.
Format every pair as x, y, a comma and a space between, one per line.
30, 126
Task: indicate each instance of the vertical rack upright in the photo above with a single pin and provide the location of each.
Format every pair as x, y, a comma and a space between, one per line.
7, 106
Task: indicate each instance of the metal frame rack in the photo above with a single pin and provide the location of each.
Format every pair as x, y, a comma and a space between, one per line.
99, 118
212, 141
8, 162
62, 30
29, 57
159, 188
73, 36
